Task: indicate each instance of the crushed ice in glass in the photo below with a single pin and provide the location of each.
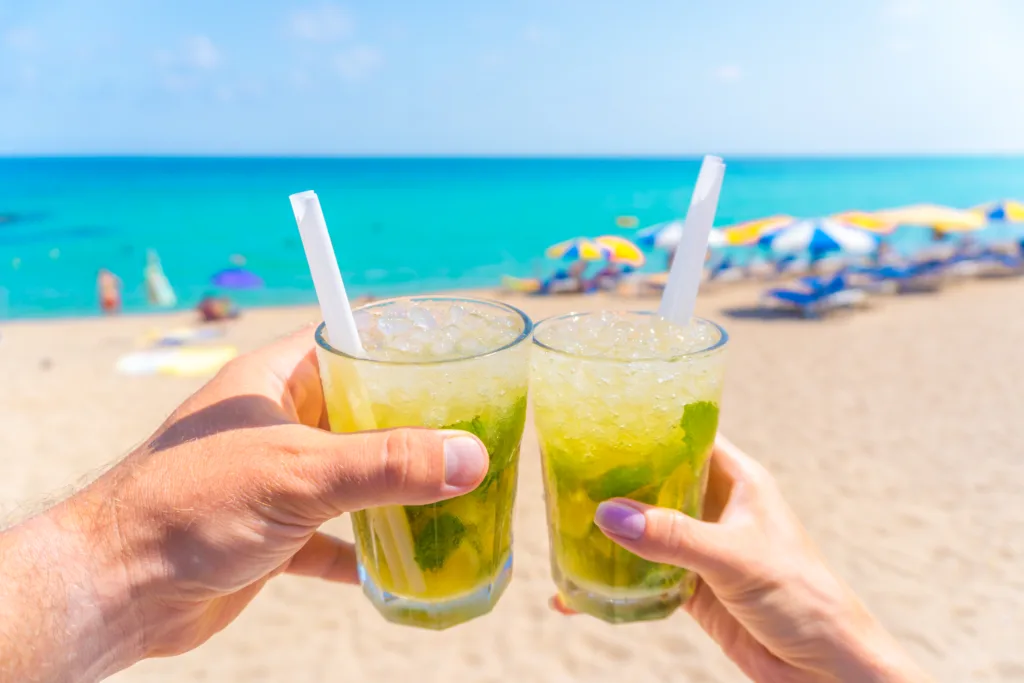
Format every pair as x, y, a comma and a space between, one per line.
626, 336
410, 330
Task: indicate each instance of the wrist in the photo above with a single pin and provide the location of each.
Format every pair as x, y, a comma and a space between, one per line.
867, 652
80, 583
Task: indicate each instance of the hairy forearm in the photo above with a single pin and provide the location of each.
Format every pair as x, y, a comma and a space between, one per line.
65, 606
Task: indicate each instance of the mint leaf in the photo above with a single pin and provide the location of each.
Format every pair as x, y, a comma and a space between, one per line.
438, 539
475, 426
699, 423
619, 482
501, 438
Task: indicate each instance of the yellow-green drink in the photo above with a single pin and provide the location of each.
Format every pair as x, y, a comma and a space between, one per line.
444, 363
626, 405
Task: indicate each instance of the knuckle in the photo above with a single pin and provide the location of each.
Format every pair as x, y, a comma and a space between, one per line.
397, 463
676, 535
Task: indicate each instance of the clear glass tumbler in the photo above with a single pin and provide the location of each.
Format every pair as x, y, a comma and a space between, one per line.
618, 415
446, 363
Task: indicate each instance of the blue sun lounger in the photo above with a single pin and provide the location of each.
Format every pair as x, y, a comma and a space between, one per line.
1014, 264
820, 296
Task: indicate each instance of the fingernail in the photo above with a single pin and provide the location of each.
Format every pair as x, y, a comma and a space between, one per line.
465, 461
621, 520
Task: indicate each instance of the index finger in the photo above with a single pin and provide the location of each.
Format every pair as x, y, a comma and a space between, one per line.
292, 375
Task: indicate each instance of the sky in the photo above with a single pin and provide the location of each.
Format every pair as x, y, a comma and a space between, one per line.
520, 77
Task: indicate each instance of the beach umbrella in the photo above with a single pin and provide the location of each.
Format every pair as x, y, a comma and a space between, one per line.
819, 236
668, 235
865, 221
623, 250
1005, 211
236, 278
942, 218
751, 232
578, 249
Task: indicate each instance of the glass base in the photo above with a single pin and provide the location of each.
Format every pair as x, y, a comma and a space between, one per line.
438, 615
623, 610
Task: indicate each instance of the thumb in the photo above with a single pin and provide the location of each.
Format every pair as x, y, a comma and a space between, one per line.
663, 535
407, 466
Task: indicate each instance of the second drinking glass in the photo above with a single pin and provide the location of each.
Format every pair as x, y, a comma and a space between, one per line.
626, 405
444, 363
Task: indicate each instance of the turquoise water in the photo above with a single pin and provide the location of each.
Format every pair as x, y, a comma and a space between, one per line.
399, 225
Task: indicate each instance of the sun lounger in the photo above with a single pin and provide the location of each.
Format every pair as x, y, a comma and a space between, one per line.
926, 276
1002, 263
818, 296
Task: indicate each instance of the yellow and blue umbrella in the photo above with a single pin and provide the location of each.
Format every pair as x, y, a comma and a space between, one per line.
819, 236
669, 234
623, 250
579, 249
751, 232
1005, 211
941, 218
865, 221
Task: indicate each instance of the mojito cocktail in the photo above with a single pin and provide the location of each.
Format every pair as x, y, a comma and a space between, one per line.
444, 363
626, 405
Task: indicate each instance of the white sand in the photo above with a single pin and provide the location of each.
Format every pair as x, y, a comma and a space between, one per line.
894, 432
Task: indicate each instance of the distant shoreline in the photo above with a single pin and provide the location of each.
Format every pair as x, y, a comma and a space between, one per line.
604, 156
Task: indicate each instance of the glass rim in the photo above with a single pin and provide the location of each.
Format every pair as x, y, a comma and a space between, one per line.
723, 338
527, 332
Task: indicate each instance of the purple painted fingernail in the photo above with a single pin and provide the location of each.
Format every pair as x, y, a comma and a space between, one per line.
620, 519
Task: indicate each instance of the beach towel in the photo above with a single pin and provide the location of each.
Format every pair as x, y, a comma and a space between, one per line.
176, 362
181, 336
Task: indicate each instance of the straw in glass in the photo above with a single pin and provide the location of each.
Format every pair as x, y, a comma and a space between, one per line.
389, 524
680, 296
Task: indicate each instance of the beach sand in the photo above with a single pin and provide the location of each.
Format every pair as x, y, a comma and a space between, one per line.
893, 432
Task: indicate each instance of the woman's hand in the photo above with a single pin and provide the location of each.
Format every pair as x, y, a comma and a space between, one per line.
765, 594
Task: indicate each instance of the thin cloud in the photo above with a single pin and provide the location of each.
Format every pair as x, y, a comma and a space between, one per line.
727, 73
539, 35
197, 53
21, 39
903, 10
201, 53
324, 24
358, 63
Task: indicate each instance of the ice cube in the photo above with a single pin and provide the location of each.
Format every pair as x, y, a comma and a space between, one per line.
470, 346
442, 347
364, 320
455, 314
394, 326
422, 318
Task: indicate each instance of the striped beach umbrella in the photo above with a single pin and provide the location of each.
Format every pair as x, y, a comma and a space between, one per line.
578, 249
668, 235
751, 232
623, 251
865, 221
819, 236
1005, 211
942, 218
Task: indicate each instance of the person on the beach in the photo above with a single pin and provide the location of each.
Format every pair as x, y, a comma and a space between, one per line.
213, 308
566, 281
108, 287
169, 546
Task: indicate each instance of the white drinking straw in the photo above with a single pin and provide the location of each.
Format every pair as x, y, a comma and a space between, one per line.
323, 266
390, 524
680, 296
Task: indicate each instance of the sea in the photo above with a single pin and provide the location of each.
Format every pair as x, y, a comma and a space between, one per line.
400, 225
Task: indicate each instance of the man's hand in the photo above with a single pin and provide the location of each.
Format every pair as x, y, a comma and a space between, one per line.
173, 542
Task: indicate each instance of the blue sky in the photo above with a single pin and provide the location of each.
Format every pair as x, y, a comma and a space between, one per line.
519, 77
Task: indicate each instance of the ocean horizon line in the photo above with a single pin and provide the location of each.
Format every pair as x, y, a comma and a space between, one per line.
748, 156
